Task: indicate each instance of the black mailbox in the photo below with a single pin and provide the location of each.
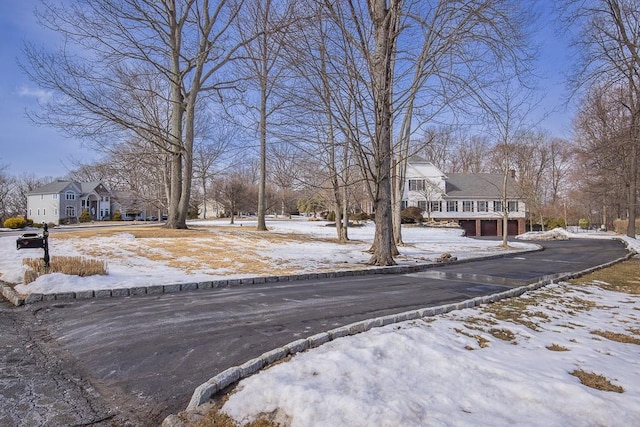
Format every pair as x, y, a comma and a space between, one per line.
30, 241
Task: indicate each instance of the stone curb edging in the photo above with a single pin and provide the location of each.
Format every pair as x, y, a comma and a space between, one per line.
18, 299
207, 390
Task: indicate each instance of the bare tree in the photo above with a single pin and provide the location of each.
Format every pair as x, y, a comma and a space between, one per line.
610, 60
601, 147
137, 67
269, 21
507, 109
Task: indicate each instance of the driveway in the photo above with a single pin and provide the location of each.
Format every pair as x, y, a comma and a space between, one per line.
144, 356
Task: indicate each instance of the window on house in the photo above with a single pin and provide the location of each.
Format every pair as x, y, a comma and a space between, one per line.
452, 206
512, 206
38, 212
30, 214
435, 206
70, 211
55, 211
41, 196
404, 204
483, 206
497, 205
44, 212
54, 196
416, 185
70, 195
467, 206
422, 204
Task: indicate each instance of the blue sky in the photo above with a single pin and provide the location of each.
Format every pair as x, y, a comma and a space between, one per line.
27, 148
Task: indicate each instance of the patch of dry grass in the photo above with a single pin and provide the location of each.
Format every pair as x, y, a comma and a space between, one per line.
213, 249
504, 335
482, 341
621, 277
617, 337
76, 266
219, 419
557, 347
596, 381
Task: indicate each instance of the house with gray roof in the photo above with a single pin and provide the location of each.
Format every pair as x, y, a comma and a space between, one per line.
473, 200
62, 202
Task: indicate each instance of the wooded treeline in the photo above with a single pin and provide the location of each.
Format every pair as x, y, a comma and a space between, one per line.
270, 106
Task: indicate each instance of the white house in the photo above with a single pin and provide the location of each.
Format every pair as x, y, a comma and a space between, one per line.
473, 200
63, 202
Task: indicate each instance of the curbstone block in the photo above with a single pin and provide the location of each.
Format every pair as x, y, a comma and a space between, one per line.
372, 323
297, 346
428, 312
201, 394
189, 286
63, 296
167, 289
273, 356
339, 332
227, 377
246, 281
233, 282
251, 367
120, 292
356, 328
31, 298
205, 285
48, 297
138, 290
102, 293
318, 339
155, 290
84, 294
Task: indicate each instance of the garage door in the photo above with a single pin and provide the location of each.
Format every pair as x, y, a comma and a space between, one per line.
469, 226
512, 227
488, 228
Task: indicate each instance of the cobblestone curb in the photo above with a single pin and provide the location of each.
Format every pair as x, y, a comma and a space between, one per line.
19, 299
207, 390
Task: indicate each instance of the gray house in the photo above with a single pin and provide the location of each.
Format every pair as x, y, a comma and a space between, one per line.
473, 200
61, 202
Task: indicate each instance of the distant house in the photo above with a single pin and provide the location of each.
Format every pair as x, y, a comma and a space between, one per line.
63, 202
473, 200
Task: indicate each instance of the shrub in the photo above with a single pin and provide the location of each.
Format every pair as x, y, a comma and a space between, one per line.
583, 223
29, 222
411, 215
555, 223
331, 216
15, 222
84, 216
362, 216
117, 216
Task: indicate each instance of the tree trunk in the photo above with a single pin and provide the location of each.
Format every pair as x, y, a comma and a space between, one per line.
633, 185
384, 20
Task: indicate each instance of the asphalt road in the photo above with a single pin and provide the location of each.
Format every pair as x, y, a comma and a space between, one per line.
142, 357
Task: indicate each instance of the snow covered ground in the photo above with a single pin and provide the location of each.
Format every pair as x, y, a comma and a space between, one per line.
467, 368
130, 262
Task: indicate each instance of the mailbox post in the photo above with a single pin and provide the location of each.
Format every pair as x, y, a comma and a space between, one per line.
35, 241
